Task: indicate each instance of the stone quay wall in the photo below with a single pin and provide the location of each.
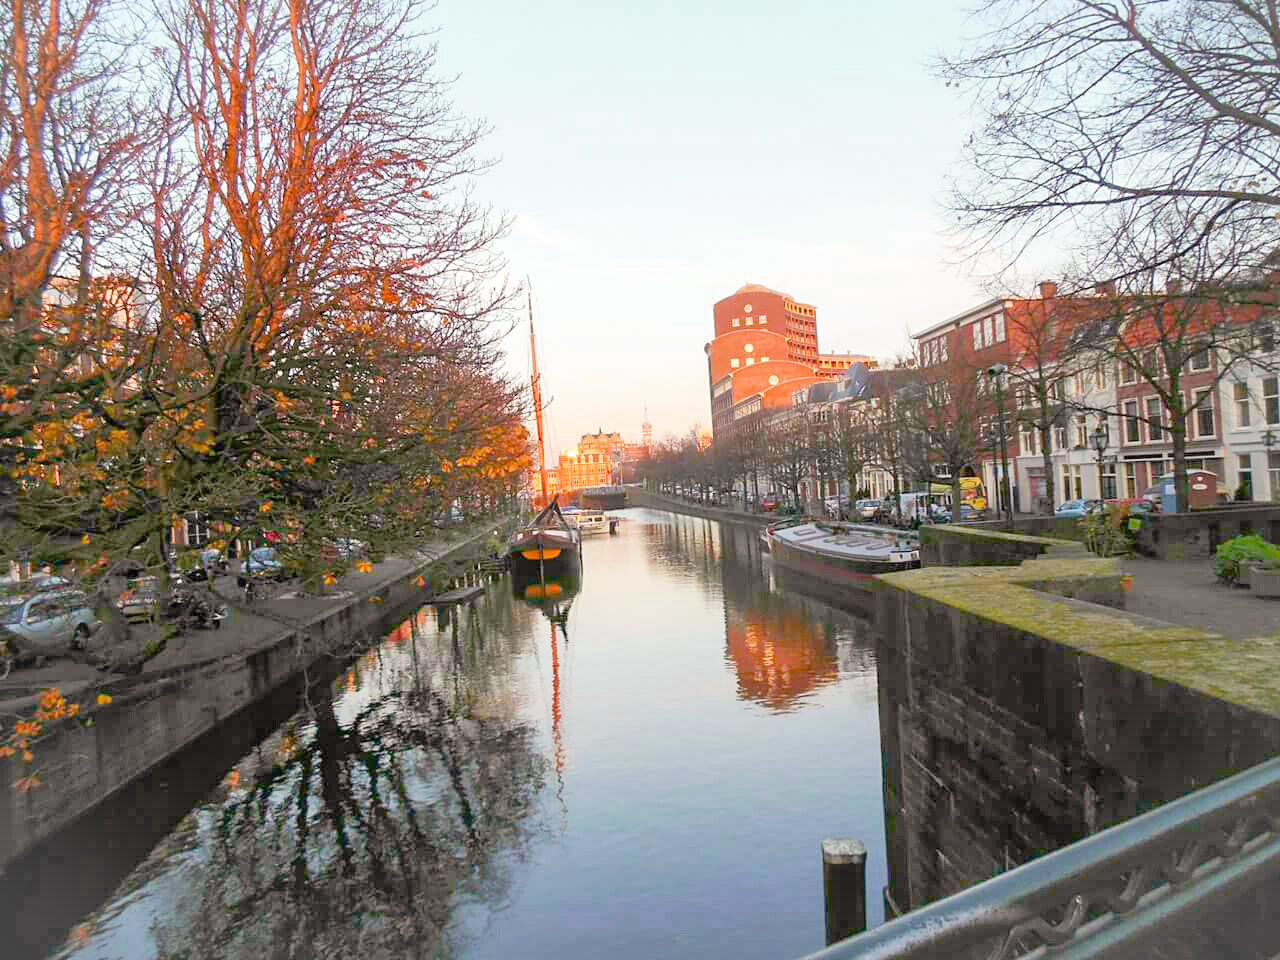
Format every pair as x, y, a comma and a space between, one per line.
1022, 709
1196, 535
639, 497
154, 715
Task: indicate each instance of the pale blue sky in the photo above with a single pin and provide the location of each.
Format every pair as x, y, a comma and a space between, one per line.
657, 156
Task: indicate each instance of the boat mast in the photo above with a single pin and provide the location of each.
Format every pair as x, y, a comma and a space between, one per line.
537, 403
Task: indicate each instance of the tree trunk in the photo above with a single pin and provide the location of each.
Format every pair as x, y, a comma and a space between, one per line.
1046, 458
1181, 492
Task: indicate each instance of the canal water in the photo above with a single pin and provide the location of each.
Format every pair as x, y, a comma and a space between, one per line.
640, 764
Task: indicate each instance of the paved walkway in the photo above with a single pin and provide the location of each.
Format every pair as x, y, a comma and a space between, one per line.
1187, 593
247, 627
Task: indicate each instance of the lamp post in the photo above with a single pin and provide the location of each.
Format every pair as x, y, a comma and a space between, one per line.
996, 372
1101, 437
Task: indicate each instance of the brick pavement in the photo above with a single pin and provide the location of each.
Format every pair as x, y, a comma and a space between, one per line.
1187, 593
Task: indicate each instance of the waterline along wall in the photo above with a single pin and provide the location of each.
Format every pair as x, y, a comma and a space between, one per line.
153, 717
1022, 708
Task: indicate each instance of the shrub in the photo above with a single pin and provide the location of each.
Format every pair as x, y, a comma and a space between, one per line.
1233, 553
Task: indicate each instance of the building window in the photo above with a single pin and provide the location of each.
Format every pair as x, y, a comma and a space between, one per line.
1273, 468
762, 319
197, 531
1131, 480
1271, 399
1204, 414
1078, 385
990, 326
1244, 485
750, 361
999, 328
1060, 437
1066, 482
764, 359
737, 321
1241, 393
733, 362
1082, 433
1264, 335
748, 321
1131, 434
1154, 420
747, 308
1108, 491
977, 336
1200, 360
1100, 375
1127, 373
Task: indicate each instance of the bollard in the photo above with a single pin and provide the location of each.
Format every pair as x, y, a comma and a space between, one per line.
844, 887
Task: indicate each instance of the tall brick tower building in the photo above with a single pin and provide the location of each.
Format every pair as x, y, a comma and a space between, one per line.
765, 349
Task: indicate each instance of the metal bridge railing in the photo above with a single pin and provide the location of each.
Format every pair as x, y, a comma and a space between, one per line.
1108, 894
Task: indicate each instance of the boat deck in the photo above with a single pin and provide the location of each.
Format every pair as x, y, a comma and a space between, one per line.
854, 542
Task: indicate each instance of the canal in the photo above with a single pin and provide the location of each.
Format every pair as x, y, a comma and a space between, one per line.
640, 764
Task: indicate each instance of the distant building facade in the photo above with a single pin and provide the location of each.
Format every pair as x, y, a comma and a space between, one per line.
764, 350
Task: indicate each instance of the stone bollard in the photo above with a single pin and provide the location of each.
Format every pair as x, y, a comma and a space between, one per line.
844, 887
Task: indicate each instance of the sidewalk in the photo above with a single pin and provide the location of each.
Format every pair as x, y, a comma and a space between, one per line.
246, 628
1187, 593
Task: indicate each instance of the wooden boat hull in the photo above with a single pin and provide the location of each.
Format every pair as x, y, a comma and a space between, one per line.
544, 553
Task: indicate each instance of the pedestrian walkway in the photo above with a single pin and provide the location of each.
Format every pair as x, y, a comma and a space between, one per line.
249, 627
1187, 592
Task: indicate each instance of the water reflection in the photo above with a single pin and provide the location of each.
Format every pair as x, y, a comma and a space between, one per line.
406, 784
552, 771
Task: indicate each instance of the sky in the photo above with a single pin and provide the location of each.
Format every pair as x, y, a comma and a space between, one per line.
656, 156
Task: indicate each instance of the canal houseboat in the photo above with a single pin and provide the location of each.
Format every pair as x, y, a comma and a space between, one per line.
588, 521
842, 553
547, 546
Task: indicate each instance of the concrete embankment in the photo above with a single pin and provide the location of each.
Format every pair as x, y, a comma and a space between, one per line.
1022, 707
637, 497
187, 692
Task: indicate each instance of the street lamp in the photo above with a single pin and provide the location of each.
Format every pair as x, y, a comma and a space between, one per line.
1101, 437
996, 372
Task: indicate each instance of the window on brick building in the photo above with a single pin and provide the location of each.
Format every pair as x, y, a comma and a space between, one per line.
1271, 399
989, 327
748, 321
737, 321
733, 362
762, 319
1154, 419
1204, 414
1200, 360
977, 336
999, 328
1131, 433
1127, 373
750, 361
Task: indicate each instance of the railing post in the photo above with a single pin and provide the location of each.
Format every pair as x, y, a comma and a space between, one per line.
844, 887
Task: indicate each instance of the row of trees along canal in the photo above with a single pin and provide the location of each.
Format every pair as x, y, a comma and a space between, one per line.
1141, 140
244, 278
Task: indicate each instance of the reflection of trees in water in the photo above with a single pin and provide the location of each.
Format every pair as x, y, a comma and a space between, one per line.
689, 544
356, 837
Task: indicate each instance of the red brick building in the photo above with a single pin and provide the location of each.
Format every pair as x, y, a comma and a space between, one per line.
765, 348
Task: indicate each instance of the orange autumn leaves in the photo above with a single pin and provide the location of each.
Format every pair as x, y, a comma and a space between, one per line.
50, 708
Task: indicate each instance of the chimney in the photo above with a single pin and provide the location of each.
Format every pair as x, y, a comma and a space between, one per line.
1107, 288
1048, 290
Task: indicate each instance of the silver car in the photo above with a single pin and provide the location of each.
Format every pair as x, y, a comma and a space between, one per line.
51, 620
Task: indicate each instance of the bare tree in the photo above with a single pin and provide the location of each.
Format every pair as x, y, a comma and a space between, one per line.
1107, 119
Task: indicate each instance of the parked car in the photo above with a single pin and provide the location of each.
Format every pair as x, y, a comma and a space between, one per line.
263, 563
869, 509
1077, 508
769, 502
50, 620
141, 599
208, 564
1135, 505
834, 507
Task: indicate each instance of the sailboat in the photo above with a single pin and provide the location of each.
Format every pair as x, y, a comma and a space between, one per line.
548, 546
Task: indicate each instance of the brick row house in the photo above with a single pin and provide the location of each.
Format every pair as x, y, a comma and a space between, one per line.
1110, 436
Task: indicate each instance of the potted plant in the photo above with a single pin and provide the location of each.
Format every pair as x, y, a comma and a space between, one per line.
1237, 558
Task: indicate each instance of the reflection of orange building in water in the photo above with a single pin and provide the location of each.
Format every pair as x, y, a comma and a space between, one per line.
779, 655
